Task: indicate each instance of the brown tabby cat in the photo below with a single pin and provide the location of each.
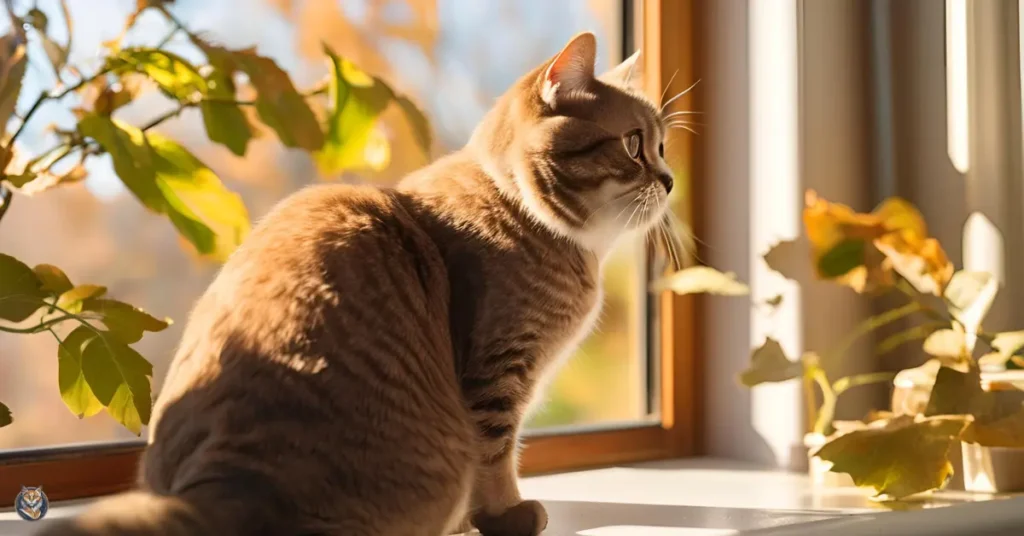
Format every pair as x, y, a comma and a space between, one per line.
363, 363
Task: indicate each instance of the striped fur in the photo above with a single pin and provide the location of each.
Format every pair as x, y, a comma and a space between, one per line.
363, 363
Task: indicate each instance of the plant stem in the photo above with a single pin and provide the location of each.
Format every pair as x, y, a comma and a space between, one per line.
900, 338
828, 402
841, 385
43, 97
871, 324
169, 115
6, 196
40, 327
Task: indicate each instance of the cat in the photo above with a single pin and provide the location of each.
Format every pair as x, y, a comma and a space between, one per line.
363, 363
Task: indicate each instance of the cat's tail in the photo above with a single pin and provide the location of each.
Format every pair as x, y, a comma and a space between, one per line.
135, 513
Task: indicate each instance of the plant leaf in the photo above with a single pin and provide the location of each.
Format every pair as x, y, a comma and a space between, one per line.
418, 121
169, 180
57, 53
899, 457
861, 250
841, 259
701, 279
278, 104
786, 258
353, 140
922, 262
132, 157
74, 390
124, 321
119, 377
71, 301
997, 416
21, 292
768, 363
53, 279
5, 415
970, 296
174, 75
225, 122
946, 343
13, 63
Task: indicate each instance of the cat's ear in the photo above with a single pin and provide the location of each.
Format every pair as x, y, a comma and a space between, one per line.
570, 74
628, 74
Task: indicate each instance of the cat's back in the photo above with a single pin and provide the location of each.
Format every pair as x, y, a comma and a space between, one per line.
334, 310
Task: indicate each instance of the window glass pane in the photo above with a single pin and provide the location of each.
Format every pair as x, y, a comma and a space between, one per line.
452, 56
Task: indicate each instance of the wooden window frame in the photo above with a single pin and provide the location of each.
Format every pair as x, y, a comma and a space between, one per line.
670, 34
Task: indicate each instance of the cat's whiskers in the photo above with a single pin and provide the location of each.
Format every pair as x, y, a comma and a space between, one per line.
610, 201
668, 85
680, 113
665, 232
682, 126
677, 95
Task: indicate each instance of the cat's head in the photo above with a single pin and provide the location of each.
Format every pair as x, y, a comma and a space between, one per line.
583, 152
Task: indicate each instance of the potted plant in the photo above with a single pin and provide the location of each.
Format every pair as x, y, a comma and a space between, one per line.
966, 393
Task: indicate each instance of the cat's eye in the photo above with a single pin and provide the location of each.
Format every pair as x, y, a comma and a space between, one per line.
632, 143
661, 150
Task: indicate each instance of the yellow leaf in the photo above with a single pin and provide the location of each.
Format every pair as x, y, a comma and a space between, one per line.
861, 250
701, 279
997, 416
946, 343
922, 262
899, 457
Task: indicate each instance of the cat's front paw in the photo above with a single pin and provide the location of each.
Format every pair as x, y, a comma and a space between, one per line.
527, 518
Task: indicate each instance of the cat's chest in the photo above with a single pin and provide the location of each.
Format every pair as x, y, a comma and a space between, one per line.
540, 307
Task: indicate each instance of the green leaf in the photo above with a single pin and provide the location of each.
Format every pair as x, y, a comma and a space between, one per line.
225, 122
169, 180
970, 296
132, 157
119, 377
5, 415
353, 140
74, 389
71, 301
899, 457
13, 63
53, 279
841, 259
208, 214
175, 76
125, 322
21, 179
21, 292
701, 279
768, 363
278, 104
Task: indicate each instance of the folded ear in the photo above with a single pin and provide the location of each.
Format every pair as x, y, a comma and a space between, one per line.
569, 75
628, 74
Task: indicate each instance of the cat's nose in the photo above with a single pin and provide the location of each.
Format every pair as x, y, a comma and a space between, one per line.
666, 180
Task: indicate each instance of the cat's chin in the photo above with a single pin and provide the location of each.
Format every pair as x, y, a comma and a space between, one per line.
603, 238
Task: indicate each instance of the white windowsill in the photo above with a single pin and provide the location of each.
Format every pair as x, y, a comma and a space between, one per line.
694, 497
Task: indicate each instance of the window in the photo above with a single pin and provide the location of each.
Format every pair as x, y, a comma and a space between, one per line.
630, 392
